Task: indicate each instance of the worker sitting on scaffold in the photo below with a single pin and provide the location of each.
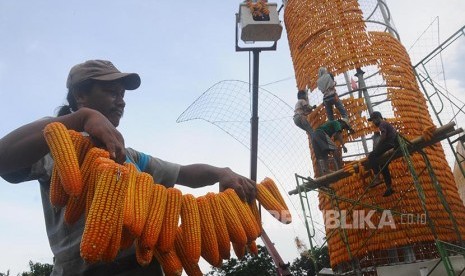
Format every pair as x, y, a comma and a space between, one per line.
386, 141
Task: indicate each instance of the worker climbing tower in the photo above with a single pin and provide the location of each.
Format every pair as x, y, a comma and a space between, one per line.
425, 215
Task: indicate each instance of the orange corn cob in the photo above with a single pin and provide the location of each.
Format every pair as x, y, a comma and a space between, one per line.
58, 196
170, 220
251, 228
239, 250
143, 196
191, 268
150, 233
233, 223
65, 158
169, 261
271, 186
108, 202
115, 241
190, 220
256, 213
92, 179
221, 230
143, 255
209, 248
77, 205
253, 249
130, 200
272, 205
81, 143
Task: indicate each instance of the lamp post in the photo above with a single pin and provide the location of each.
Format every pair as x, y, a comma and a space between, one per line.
259, 30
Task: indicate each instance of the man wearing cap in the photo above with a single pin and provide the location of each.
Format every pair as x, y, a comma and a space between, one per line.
323, 145
95, 105
386, 141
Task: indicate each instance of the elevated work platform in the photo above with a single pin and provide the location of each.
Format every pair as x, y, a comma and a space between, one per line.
416, 144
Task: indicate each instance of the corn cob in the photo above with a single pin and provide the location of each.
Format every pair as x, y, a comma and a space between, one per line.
191, 268
272, 205
221, 230
251, 228
190, 220
271, 186
233, 223
65, 158
209, 248
93, 179
129, 201
82, 144
58, 196
253, 249
108, 202
169, 261
77, 205
256, 213
170, 220
153, 225
143, 255
239, 250
143, 196
115, 240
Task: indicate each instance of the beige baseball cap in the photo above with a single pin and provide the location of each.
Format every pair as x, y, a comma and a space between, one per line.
102, 70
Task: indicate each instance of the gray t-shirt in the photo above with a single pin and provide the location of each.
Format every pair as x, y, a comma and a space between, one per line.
65, 239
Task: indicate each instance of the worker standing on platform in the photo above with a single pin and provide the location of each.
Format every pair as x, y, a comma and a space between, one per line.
386, 141
301, 111
323, 145
327, 86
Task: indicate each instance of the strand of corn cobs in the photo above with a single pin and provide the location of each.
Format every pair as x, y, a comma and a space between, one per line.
123, 207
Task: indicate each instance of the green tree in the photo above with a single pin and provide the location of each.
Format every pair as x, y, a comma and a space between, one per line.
38, 269
261, 265
305, 264
5, 274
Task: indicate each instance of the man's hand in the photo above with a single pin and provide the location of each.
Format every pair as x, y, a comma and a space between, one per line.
244, 187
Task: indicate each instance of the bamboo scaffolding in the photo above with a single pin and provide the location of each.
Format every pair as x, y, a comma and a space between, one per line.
417, 143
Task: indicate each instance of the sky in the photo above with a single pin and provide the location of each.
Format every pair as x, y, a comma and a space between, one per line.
179, 50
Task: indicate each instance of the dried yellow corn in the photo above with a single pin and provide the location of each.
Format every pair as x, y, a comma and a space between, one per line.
253, 249
77, 205
114, 245
170, 220
271, 186
150, 233
190, 220
143, 197
58, 196
65, 158
191, 268
110, 189
90, 184
82, 144
169, 261
256, 213
221, 230
249, 224
209, 248
233, 223
143, 255
129, 201
272, 205
239, 250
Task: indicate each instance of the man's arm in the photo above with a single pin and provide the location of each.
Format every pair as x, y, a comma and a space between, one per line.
338, 137
200, 175
26, 145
